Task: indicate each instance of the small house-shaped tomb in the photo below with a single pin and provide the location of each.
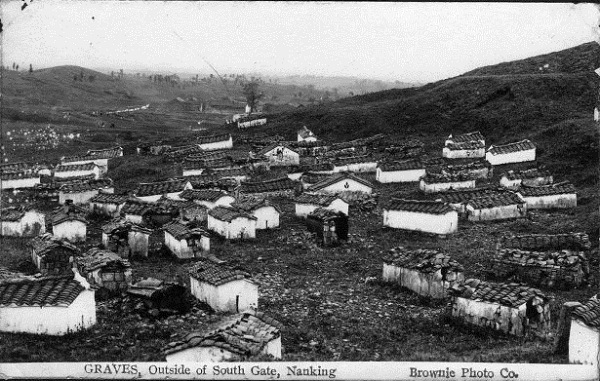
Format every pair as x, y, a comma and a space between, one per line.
427, 272
511, 308
425, 216
223, 287
517, 152
186, 241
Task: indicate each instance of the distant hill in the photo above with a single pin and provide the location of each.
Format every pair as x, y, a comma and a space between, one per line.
81, 89
68, 86
344, 85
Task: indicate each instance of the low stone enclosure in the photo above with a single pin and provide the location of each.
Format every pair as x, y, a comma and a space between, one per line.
549, 261
542, 242
426, 272
511, 308
105, 270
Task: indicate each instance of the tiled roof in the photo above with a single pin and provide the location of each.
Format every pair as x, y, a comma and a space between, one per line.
116, 224
207, 179
106, 153
542, 242
405, 165
522, 145
18, 175
180, 231
312, 177
353, 160
540, 258
231, 172
506, 294
468, 137
250, 204
271, 147
43, 244
136, 207
167, 203
495, 200
85, 186
463, 195
547, 190
305, 133
208, 163
237, 156
68, 213
203, 194
13, 167
74, 167
279, 184
423, 260
82, 157
309, 144
212, 138
474, 165
109, 198
183, 150
417, 206
6, 274
11, 214
337, 178
216, 274
245, 334
58, 181
193, 164
436, 178
465, 145
588, 312
97, 258
209, 155
41, 292
159, 188
213, 175
433, 161
319, 167
229, 214
316, 199
324, 214
527, 174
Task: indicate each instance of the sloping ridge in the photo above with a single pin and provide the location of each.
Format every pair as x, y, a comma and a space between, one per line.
580, 59
500, 104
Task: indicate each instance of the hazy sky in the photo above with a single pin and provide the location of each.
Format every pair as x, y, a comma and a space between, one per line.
394, 41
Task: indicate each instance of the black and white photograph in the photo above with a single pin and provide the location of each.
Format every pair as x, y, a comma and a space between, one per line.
299, 190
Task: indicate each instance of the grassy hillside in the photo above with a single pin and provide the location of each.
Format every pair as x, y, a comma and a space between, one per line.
67, 86
553, 108
580, 59
77, 88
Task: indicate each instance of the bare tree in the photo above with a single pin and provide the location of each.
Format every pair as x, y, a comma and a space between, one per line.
252, 94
